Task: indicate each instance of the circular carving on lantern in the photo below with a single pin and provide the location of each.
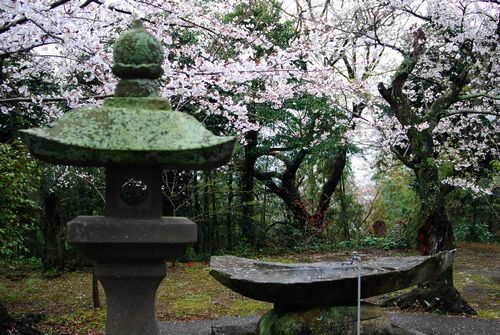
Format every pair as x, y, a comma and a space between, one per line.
134, 192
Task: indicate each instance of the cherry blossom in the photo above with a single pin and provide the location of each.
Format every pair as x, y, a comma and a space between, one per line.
347, 48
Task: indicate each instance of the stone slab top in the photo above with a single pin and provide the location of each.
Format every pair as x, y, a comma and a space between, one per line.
325, 283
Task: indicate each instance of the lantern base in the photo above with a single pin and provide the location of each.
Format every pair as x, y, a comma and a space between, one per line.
130, 288
130, 256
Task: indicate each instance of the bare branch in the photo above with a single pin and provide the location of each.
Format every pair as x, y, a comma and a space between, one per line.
491, 1
370, 209
88, 2
405, 160
394, 94
422, 17
87, 180
48, 33
31, 47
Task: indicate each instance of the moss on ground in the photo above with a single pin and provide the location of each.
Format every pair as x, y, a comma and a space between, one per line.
477, 277
198, 296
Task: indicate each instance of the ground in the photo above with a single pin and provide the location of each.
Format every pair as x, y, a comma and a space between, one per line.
189, 292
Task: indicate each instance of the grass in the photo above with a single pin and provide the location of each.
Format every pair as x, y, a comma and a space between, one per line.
477, 277
189, 292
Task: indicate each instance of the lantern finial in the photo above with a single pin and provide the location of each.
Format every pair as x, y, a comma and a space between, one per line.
138, 57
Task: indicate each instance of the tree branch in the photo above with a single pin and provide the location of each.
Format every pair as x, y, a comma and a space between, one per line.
471, 111
101, 195
478, 95
439, 107
331, 183
407, 162
409, 11
293, 165
23, 19
266, 178
394, 94
281, 149
31, 47
279, 156
267, 175
48, 33
370, 209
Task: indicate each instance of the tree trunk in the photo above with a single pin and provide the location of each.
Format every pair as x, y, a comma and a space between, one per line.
53, 232
95, 291
229, 211
206, 241
332, 181
435, 234
214, 217
343, 211
247, 224
197, 211
289, 192
473, 232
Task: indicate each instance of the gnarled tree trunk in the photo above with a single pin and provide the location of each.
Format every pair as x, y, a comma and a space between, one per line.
435, 232
289, 192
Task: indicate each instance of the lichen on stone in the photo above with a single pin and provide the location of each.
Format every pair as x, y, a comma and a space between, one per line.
137, 54
331, 320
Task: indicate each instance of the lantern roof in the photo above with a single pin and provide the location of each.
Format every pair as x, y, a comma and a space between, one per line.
135, 127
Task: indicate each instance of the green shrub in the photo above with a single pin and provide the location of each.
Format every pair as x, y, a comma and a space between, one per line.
19, 180
389, 242
478, 232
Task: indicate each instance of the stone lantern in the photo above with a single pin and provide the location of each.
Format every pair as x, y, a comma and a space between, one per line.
135, 135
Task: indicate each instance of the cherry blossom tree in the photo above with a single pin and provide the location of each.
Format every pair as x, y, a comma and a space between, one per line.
74, 37
213, 64
439, 113
353, 65
446, 81
425, 73
444, 87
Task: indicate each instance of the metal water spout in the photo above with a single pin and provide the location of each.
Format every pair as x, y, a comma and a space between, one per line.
135, 135
356, 257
